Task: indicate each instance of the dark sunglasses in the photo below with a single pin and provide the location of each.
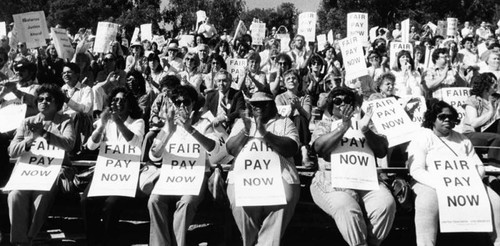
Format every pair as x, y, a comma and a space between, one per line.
450, 117
259, 104
43, 99
338, 101
185, 102
108, 60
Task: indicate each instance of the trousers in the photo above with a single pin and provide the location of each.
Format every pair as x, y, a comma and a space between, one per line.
362, 217
264, 225
427, 214
28, 210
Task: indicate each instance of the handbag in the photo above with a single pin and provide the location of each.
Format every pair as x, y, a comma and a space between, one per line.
148, 176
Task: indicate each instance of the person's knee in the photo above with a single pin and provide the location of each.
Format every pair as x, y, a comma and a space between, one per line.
153, 201
14, 196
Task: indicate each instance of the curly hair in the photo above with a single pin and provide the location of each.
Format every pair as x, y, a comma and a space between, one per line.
134, 111
54, 91
190, 92
481, 83
141, 83
436, 108
340, 91
219, 59
387, 75
315, 58
286, 57
435, 54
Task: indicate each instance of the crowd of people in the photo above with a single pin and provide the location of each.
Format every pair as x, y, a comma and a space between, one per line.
146, 96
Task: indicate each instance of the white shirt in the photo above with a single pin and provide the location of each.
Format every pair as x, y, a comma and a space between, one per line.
81, 99
112, 134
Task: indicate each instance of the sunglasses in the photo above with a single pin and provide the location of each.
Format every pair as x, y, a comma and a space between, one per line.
450, 117
45, 99
259, 104
108, 60
185, 102
338, 101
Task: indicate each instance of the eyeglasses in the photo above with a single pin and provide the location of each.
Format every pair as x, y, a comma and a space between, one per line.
189, 59
450, 117
338, 100
108, 60
259, 104
215, 63
372, 57
282, 63
186, 102
45, 99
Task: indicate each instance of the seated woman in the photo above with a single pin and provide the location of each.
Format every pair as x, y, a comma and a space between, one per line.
408, 79
439, 138
265, 224
137, 85
363, 217
28, 209
181, 114
300, 113
252, 73
121, 121
481, 125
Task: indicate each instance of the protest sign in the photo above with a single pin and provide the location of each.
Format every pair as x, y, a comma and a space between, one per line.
417, 106
330, 37
455, 96
464, 205
284, 41
106, 33
160, 41
307, 26
321, 41
481, 48
135, 36
183, 167
452, 27
201, 16
354, 61
186, 41
352, 162
427, 58
31, 28
441, 28
116, 170
38, 168
11, 116
221, 157
390, 119
357, 24
257, 176
373, 33
405, 31
236, 67
62, 43
146, 32
432, 26
395, 48
241, 29
284, 110
258, 33
3, 29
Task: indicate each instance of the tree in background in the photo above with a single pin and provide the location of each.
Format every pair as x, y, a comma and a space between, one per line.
285, 14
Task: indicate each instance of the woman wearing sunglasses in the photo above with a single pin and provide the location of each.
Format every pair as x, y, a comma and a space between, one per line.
121, 121
28, 209
363, 217
264, 224
182, 124
481, 124
191, 75
439, 138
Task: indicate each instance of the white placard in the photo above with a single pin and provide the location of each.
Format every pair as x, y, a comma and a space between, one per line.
186, 41
258, 32
352, 162
241, 29
357, 24
200, 17
284, 41
390, 119
354, 61
11, 116
405, 31
451, 27
373, 33
183, 168
106, 33
146, 32
307, 26
135, 36
432, 26
330, 37
62, 43
159, 40
116, 171
236, 67
31, 28
464, 205
3, 28
321, 41
395, 48
38, 168
481, 48
455, 96
221, 157
418, 103
284, 110
257, 176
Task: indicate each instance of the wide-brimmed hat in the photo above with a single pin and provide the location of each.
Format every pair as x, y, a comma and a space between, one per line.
173, 46
261, 96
